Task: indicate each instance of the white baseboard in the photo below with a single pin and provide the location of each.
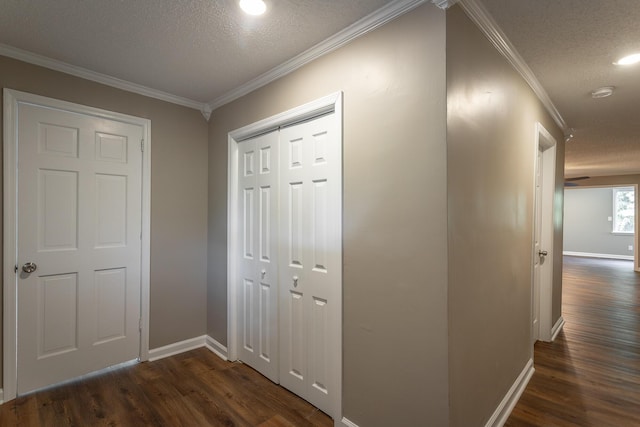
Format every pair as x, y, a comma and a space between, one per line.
176, 348
216, 347
592, 255
557, 328
505, 407
346, 423
186, 345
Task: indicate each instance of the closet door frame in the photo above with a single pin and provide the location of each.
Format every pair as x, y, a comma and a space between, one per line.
329, 104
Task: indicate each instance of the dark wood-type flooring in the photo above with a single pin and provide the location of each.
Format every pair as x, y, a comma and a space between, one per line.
192, 389
590, 376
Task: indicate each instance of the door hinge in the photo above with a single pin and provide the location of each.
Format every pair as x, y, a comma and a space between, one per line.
142, 145
15, 270
140, 324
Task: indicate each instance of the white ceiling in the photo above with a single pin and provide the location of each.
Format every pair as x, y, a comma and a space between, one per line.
195, 49
204, 50
570, 45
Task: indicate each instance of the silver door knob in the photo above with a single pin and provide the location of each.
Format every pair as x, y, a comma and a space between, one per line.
29, 267
543, 253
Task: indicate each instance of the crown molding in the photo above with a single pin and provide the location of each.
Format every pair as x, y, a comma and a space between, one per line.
483, 19
359, 28
53, 64
444, 4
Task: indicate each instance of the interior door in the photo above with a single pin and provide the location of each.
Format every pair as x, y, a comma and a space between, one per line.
537, 249
79, 244
311, 260
258, 265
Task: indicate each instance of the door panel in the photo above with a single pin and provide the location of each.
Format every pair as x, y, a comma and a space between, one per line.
79, 221
257, 270
310, 279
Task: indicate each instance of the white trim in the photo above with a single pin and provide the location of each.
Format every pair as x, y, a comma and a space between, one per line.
9, 309
1, 396
83, 73
483, 19
557, 328
176, 348
329, 103
502, 412
444, 4
369, 23
145, 259
546, 143
11, 100
593, 255
346, 423
216, 347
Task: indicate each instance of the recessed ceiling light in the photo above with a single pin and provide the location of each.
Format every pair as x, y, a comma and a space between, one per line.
629, 59
602, 92
253, 7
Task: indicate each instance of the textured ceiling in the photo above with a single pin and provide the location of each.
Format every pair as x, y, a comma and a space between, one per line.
571, 45
196, 49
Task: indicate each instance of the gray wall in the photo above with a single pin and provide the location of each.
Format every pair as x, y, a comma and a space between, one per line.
490, 137
395, 258
621, 181
178, 193
586, 225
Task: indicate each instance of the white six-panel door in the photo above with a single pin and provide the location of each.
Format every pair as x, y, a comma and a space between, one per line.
258, 258
310, 250
290, 258
79, 222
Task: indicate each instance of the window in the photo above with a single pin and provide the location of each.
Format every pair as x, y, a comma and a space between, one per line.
623, 210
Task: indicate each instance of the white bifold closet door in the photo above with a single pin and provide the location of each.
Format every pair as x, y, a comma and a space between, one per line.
297, 169
258, 260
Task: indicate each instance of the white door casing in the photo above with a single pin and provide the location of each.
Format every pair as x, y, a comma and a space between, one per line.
545, 144
258, 257
76, 205
331, 365
538, 251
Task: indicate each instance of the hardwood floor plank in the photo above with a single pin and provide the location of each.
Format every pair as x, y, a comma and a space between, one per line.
191, 389
590, 376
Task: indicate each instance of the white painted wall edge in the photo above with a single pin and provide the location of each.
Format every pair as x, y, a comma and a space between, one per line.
502, 412
187, 345
557, 328
592, 255
345, 423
